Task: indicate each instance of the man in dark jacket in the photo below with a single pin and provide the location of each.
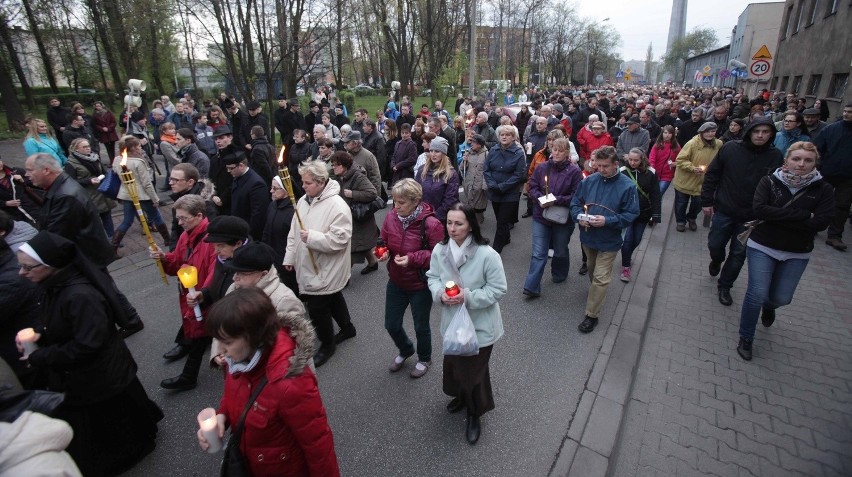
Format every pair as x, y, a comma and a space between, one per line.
292, 119
255, 118
262, 156
728, 193
834, 143
222, 180
689, 128
185, 179
68, 211
190, 154
238, 121
249, 196
58, 118
79, 129
405, 116
374, 142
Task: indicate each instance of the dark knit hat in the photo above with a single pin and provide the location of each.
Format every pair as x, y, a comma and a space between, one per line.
50, 249
479, 139
252, 257
137, 116
227, 228
223, 131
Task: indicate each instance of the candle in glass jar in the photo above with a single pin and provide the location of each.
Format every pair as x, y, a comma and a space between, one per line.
209, 427
452, 289
27, 337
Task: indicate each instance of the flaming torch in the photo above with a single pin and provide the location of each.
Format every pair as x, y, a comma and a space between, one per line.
130, 184
288, 184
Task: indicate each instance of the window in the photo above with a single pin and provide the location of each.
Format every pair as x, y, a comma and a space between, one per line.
784, 83
797, 84
837, 88
814, 9
774, 84
788, 22
813, 85
800, 18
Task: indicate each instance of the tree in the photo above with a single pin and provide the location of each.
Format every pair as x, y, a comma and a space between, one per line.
13, 58
696, 42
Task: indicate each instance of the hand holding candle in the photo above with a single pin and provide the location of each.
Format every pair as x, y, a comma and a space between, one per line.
452, 289
26, 341
209, 430
188, 277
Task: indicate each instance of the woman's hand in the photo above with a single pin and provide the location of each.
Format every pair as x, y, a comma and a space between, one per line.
289, 268
347, 193
20, 346
17, 177
194, 298
401, 260
216, 200
220, 430
385, 257
96, 180
13, 203
304, 235
157, 254
453, 300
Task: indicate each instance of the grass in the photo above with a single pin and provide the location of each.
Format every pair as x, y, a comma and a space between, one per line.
370, 103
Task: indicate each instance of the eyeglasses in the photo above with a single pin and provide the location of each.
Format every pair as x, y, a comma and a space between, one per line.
172, 179
230, 168
29, 268
790, 121
183, 218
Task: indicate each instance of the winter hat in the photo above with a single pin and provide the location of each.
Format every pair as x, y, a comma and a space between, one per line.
226, 228
707, 126
479, 139
252, 257
50, 249
439, 144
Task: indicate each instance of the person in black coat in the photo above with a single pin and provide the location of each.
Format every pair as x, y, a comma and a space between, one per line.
82, 355
228, 153
238, 121
249, 196
291, 120
279, 216
19, 300
58, 118
639, 171
689, 128
262, 156
255, 117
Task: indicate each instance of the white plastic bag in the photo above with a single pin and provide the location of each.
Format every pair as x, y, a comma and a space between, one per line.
460, 337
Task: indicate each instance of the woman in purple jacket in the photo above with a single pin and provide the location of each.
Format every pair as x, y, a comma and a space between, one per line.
439, 180
560, 177
410, 232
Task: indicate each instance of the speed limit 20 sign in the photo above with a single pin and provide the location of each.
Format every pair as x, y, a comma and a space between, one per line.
759, 68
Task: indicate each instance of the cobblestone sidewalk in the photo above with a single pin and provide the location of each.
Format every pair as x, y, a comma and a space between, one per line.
696, 408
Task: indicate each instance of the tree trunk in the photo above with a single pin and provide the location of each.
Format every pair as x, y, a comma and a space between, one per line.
45, 58
97, 20
14, 111
16, 62
154, 49
190, 56
118, 32
338, 73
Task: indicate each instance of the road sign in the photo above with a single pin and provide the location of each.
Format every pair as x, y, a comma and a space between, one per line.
698, 76
599, 79
742, 73
707, 79
725, 74
619, 74
628, 77
759, 68
762, 54
628, 71
707, 69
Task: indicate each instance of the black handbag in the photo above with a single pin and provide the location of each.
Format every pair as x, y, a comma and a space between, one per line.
364, 210
234, 463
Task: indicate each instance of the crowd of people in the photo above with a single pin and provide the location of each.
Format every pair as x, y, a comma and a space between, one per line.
274, 243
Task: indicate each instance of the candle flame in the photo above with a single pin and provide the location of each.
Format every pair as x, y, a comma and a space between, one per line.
281, 155
124, 157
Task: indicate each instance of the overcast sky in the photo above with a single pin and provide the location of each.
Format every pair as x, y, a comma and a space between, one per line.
644, 22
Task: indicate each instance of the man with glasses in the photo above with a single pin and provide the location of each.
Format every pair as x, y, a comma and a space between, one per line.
185, 179
228, 153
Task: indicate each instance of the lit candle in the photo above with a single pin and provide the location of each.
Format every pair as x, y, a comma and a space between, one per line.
188, 276
452, 289
209, 428
546, 190
27, 337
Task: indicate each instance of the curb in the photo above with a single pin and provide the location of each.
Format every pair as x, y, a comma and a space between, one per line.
596, 424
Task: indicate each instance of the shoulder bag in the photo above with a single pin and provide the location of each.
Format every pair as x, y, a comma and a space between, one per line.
742, 237
365, 210
558, 214
110, 185
234, 463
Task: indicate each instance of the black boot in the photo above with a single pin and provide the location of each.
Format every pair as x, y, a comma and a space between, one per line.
116, 240
744, 349
164, 231
188, 379
473, 429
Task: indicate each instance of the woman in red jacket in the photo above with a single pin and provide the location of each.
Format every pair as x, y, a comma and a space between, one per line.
663, 155
286, 430
596, 137
191, 249
410, 232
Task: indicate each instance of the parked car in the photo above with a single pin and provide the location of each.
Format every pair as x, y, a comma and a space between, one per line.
363, 88
513, 109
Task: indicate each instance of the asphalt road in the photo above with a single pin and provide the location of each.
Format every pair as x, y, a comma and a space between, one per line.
389, 424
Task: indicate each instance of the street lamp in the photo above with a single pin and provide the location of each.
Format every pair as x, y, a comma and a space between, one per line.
588, 50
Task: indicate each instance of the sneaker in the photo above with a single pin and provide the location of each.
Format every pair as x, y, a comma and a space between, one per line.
744, 349
398, 362
681, 227
531, 293
767, 316
625, 274
420, 369
837, 243
584, 269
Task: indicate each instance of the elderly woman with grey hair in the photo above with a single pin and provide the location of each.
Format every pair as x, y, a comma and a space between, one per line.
505, 171
319, 252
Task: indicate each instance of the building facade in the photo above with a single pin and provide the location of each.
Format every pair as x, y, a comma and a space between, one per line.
814, 43
755, 39
704, 70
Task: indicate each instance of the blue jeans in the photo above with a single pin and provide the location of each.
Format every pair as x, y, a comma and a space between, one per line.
684, 213
771, 283
151, 212
545, 236
396, 301
632, 238
109, 227
724, 230
664, 186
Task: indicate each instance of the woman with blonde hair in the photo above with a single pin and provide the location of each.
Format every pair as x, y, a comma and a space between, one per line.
40, 138
148, 199
439, 179
85, 167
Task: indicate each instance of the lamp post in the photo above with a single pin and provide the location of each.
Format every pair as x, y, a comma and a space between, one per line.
588, 49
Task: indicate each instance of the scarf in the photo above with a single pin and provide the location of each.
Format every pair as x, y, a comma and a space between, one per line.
243, 366
457, 251
90, 162
796, 182
169, 138
409, 219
